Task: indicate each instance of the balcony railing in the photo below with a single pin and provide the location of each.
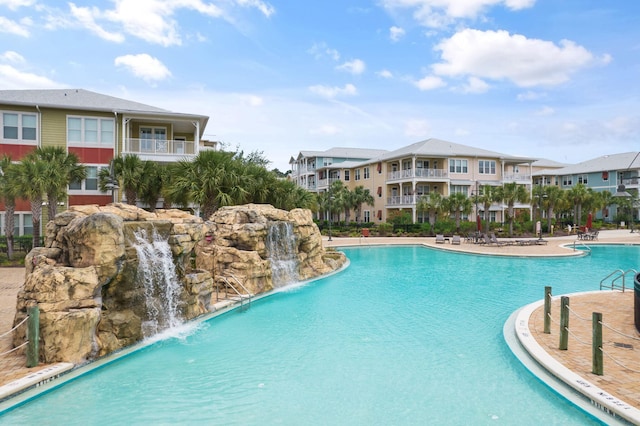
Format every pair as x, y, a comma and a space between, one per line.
418, 173
159, 147
516, 177
401, 200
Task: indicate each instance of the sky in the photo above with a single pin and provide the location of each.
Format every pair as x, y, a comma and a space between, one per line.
554, 79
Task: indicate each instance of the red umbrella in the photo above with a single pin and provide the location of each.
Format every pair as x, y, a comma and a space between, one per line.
589, 220
479, 222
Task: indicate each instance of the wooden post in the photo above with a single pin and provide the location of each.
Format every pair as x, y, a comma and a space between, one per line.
596, 346
547, 310
33, 336
564, 323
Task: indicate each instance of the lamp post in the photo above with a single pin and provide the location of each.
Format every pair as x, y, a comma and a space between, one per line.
540, 197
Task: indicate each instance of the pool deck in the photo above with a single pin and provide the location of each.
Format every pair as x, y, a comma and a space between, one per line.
620, 382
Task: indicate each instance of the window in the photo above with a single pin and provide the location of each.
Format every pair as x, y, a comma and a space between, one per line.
90, 183
346, 175
406, 165
567, 180
22, 224
422, 164
357, 177
605, 176
18, 126
583, 179
458, 166
367, 216
422, 189
459, 189
492, 216
366, 173
488, 167
90, 131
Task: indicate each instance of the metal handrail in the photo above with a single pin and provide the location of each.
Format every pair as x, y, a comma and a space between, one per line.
242, 297
587, 248
619, 274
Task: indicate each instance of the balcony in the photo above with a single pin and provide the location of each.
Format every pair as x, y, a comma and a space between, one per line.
516, 177
419, 173
401, 200
160, 149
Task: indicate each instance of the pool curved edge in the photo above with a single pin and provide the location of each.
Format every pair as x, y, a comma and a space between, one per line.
575, 388
21, 391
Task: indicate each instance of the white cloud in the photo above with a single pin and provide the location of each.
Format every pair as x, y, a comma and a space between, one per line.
396, 33
333, 92
384, 74
12, 78
327, 129
266, 9
144, 66
11, 56
546, 110
12, 27
441, 13
86, 18
253, 100
499, 55
531, 96
430, 82
15, 4
475, 85
417, 129
355, 67
319, 50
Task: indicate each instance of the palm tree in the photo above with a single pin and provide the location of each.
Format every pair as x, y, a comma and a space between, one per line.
340, 199
489, 195
553, 197
604, 200
459, 204
211, 180
128, 170
287, 195
433, 205
510, 194
30, 180
8, 196
579, 196
151, 183
61, 168
361, 196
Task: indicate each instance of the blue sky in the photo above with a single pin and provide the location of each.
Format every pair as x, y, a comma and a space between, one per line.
556, 79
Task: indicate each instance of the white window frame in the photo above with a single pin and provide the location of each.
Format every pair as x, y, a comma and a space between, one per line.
583, 179
366, 173
357, 174
19, 127
100, 131
488, 167
458, 166
366, 216
83, 184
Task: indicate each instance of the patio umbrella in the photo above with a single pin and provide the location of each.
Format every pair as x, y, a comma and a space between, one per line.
589, 221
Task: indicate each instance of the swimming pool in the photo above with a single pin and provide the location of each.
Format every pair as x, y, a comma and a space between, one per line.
405, 335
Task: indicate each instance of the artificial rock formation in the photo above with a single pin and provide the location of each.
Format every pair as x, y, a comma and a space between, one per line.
86, 279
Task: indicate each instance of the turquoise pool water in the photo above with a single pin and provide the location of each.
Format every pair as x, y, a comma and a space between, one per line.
404, 336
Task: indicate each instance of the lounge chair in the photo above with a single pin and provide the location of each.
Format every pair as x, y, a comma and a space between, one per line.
455, 239
439, 239
494, 240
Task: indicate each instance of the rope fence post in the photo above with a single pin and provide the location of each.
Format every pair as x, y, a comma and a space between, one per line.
33, 336
547, 310
596, 347
564, 323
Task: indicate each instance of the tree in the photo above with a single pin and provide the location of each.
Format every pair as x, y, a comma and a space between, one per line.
579, 196
128, 170
459, 204
510, 194
341, 199
361, 196
554, 197
433, 205
61, 168
211, 180
30, 180
489, 194
8, 196
152, 183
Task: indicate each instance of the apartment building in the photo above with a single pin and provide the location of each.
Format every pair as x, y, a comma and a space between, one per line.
397, 179
96, 128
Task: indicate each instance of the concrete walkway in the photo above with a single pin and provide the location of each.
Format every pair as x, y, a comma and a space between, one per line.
616, 307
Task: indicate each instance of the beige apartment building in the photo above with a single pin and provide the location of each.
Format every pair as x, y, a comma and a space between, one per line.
397, 179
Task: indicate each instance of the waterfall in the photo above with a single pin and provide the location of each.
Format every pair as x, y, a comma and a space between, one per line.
157, 273
283, 253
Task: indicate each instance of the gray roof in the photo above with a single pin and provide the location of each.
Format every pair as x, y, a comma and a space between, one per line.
624, 161
347, 153
74, 98
550, 164
440, 148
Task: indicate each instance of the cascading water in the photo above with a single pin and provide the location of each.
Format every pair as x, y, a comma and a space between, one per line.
283, 253
157, 273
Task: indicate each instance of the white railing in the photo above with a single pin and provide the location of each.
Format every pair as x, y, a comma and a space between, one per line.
159, 147
419, 173
516, 177
401, 200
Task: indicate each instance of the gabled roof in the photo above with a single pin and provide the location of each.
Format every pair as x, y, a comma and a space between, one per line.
440, 148
91, 101
624, 161
549, 164
341, 152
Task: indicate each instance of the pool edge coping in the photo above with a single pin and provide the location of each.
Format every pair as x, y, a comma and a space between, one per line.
603, 402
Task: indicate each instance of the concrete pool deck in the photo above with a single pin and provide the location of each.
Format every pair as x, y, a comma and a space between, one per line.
621, 379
